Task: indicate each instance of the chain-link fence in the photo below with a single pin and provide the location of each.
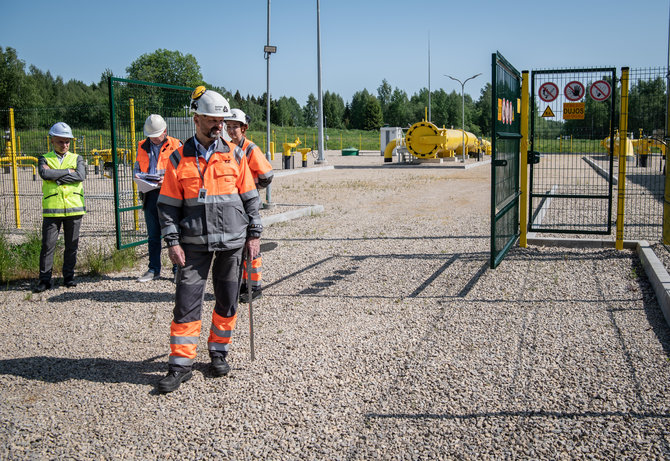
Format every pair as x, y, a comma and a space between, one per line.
131, 103
645, 154
21, 187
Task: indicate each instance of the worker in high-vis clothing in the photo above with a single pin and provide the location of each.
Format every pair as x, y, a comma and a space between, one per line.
152, 158
208, 209
63, 205
237, 123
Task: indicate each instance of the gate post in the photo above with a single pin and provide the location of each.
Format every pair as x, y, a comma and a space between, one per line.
623, 137
523, 168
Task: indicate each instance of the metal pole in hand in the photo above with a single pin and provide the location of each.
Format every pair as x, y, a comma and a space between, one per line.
251, 309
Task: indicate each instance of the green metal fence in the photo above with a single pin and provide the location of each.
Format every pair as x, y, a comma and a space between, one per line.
645, 165
21, 190
130, 103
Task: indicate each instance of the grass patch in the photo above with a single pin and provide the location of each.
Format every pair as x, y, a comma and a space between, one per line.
21, 261
103, 260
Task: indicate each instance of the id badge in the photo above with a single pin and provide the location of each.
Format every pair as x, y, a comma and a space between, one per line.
202, 195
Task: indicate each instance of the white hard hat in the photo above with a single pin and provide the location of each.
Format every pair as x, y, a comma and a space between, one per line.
61, 129
237, 115
209, 102
154, 126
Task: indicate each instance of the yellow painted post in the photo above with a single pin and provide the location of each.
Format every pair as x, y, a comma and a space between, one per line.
523, 199
272, 151
136, 215
623, 140
100, 142
74, 145
15, 177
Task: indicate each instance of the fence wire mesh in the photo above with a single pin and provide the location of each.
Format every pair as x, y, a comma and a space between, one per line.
571, 131
21, 199
645, 154
132, 102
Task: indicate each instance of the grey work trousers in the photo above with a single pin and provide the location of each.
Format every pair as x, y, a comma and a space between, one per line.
50, 230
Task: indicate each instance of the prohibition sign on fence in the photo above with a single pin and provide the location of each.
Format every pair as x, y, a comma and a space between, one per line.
600, 90
548, 91
574, 90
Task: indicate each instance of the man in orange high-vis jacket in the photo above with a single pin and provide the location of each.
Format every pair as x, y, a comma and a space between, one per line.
237, 124
150, 163
208, 209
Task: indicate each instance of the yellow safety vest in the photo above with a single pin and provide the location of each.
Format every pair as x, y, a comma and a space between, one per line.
63, 199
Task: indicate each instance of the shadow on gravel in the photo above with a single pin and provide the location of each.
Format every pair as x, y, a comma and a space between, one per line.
524, 414
56, 370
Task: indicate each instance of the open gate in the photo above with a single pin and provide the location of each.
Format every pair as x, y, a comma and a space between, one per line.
572, 141
130, 102
505, 142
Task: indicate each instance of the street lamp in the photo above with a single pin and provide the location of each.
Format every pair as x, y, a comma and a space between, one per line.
463, 112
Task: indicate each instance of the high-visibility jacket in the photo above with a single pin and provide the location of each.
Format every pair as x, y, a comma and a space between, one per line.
62, 198
144, 150
258, 164
226, 214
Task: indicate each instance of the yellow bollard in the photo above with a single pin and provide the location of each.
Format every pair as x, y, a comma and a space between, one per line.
132, 157
15, 177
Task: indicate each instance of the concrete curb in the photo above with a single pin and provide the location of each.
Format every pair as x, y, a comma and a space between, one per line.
279, 173
293, 214
658, 276
656, 273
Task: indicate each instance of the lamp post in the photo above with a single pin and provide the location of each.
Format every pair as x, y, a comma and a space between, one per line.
463, 107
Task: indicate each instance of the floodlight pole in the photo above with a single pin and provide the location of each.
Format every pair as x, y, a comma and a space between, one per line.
321, 158
463, 108
268, 50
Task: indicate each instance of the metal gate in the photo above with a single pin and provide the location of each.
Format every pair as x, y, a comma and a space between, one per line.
572, 141
130, 103
505, 141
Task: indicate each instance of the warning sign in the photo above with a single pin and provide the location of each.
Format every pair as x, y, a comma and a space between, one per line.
600, 90
574, 91
548, 112
573, 111
548, 91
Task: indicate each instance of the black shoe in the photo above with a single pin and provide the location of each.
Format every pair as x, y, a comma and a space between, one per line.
42, 286
219, 366
173, 379
70, 283
244, 295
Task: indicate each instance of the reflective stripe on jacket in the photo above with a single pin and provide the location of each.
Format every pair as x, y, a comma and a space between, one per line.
144, 150
65, 199
220, 220
258, 164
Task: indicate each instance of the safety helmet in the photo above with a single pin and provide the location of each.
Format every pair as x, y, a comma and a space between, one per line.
237, 115
154, 126
209, 102
61, 129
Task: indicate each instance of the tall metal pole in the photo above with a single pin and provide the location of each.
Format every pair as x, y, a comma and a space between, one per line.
321, 158
268, 154
430, 117
463, 111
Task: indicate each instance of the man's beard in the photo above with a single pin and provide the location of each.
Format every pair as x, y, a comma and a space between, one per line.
213, 133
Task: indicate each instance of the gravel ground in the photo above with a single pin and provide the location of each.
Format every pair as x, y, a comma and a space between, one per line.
382, 334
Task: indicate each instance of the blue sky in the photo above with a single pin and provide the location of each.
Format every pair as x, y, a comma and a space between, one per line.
362, 42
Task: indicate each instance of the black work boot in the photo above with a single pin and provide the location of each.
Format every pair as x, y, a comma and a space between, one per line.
244, 295
173, 379
43, 286
219, 366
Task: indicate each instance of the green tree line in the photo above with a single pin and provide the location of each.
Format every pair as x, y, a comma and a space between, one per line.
27, 87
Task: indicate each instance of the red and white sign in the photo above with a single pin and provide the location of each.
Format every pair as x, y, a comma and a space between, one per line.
548, 91
600, 90
574, 91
